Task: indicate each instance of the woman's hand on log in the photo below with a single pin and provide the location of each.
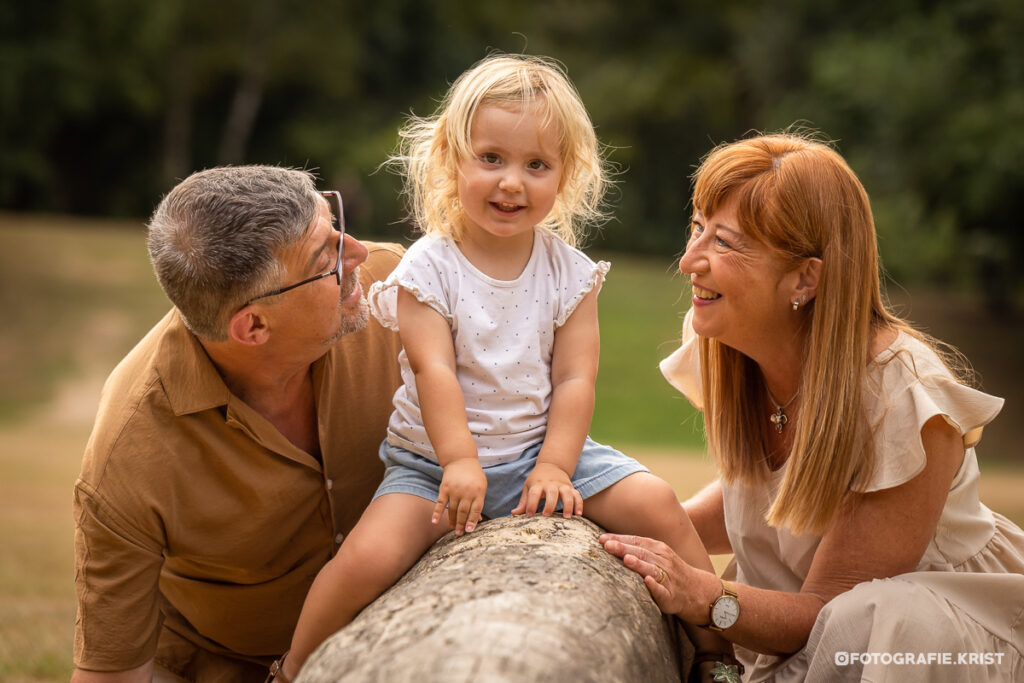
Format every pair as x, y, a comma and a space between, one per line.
666, 575
553, 484
463, 487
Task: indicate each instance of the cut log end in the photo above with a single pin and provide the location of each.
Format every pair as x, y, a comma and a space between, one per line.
518, 599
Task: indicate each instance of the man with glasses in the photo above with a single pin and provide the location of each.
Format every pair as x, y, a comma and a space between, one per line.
236, 445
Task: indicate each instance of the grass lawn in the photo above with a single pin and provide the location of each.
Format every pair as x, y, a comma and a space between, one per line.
641, 311
76, 295
39, 460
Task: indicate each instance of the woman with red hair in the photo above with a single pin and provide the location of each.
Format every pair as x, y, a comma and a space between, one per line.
844, 439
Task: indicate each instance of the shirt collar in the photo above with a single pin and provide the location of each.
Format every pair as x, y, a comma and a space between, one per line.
189, 377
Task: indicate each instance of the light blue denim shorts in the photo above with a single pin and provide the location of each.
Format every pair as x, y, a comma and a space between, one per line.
599, 467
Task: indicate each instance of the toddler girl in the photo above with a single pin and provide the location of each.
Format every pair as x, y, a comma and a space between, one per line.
497, 313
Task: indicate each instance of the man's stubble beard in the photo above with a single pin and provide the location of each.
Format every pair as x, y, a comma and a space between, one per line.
355, 322
352, 322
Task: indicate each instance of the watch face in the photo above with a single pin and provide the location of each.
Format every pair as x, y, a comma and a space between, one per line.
726, 611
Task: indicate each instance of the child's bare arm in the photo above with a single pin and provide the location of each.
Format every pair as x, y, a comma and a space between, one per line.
427, 340
573, 373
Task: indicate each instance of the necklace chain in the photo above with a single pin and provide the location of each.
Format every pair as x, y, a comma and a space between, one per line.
779, 418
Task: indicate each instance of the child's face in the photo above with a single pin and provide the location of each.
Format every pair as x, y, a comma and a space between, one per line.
511, 181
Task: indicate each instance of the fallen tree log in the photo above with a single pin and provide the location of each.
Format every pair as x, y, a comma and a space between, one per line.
518, 599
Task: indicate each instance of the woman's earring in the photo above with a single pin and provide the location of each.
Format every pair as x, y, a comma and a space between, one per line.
796, 305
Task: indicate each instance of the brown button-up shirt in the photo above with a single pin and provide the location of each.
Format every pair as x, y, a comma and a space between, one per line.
194, 515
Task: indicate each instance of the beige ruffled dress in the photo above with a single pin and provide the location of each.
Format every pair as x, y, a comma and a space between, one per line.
960, 615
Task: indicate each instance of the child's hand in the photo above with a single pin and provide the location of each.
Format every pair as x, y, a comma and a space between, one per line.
551, 483
463, 486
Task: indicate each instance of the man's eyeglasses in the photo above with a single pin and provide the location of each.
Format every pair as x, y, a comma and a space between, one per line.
338, 222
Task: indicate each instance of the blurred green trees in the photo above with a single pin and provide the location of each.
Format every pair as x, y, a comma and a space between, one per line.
104, 103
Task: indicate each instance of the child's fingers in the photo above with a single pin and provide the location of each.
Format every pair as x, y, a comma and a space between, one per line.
475, 511
572, 502
533, 500
453, 512
552, 495
442, 501
462, 516
520, 508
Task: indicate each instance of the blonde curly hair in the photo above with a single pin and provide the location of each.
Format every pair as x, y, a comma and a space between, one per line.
431, 148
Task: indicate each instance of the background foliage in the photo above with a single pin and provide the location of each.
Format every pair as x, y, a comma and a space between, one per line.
104, 103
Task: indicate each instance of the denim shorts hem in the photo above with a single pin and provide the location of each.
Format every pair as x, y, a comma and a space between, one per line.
598, 468
407, 488
594, 485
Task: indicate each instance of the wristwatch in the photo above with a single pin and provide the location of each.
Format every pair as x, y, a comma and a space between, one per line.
725, 610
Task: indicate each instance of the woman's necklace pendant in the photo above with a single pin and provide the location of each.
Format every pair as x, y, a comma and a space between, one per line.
779, 419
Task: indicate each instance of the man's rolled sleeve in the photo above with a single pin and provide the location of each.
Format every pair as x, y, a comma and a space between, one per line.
116, 578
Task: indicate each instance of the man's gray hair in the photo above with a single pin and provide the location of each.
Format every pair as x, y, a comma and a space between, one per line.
216, 239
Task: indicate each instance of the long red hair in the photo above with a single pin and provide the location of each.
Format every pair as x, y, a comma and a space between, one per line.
799, 197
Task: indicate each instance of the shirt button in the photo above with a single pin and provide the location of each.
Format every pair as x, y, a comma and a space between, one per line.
339, 538
330, 484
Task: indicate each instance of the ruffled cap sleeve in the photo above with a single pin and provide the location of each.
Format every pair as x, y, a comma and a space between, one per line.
575, 275
911, 387
682, 368
591, 278
423, 273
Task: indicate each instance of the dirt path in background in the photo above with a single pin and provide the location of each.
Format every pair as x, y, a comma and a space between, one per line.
76, 397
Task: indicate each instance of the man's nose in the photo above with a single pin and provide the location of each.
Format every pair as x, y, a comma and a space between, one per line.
353, 253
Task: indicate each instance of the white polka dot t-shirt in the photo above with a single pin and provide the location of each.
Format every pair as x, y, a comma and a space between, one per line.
503, 331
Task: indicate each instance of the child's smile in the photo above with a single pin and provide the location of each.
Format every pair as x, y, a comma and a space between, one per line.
507, 208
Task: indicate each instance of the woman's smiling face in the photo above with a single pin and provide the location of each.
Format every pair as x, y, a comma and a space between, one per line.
738, 294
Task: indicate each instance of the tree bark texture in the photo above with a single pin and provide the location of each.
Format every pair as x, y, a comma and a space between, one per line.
528, 599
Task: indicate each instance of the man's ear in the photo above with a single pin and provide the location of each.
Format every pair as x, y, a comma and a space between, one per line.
807, 280
249, 327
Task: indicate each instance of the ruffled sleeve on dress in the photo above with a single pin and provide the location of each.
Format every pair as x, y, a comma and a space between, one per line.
682, 368
915, 387
420, 272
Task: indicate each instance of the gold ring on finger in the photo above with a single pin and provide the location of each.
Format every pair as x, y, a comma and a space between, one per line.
661, 575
